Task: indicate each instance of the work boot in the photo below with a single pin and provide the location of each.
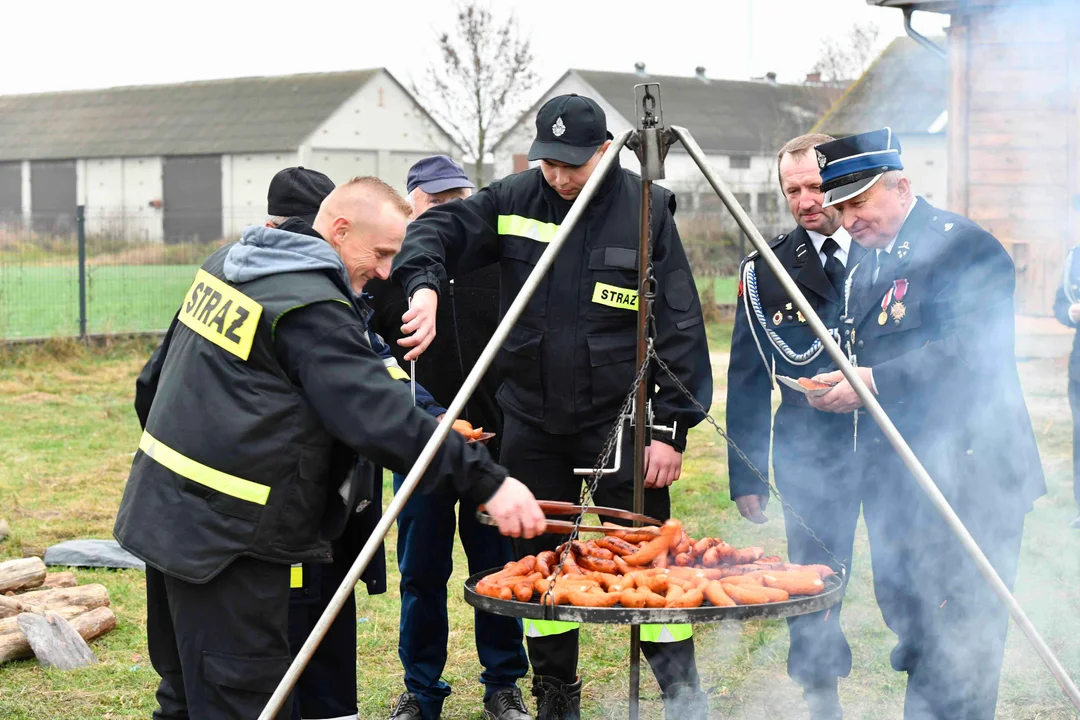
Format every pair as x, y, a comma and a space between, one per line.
506, 704
823, 703
407, 707
684, 701
556, 700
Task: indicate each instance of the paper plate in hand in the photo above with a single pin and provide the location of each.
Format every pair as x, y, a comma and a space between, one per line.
484, 437
794, 385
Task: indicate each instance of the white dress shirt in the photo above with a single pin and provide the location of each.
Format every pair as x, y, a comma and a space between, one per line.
843, 240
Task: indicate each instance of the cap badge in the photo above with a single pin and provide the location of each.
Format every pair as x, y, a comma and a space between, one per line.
948, 227
821, 161
558, 128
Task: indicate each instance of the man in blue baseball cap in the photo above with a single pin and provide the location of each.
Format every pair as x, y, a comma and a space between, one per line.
427, 523
929, 322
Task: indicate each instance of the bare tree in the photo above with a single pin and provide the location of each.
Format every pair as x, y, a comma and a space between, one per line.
480, 87
846, 59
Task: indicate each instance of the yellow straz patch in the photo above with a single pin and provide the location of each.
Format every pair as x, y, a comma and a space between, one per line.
221, 314
616, 297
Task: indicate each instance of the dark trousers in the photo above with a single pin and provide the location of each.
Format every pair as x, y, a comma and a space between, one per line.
950, 625
816, 476
327, 688
425, 558
1074, 403
545, 464
220, 647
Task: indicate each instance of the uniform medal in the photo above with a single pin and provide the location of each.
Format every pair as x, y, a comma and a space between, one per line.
898, 311
884, 316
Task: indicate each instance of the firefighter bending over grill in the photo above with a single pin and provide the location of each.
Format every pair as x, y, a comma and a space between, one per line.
570, 361
264, 391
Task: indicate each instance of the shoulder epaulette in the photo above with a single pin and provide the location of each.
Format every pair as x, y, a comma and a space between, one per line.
772, 244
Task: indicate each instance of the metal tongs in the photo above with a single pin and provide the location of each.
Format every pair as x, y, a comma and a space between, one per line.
562, 527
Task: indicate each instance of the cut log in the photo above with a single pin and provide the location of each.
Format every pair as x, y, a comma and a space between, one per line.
89, 625
88, 596
21, 574
11, 624
59, 580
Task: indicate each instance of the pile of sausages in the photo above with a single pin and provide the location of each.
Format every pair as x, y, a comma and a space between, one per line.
654, 568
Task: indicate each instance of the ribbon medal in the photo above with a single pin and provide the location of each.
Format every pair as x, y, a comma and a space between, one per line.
884, 316
898, 311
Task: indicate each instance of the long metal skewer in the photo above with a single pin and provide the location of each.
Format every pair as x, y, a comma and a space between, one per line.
874, 408
435, 441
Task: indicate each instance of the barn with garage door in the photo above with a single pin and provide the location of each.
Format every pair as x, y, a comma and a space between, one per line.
192, 161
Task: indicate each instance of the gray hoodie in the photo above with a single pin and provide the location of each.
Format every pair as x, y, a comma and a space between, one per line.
264, 251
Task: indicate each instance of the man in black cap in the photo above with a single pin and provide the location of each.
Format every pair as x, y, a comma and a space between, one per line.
929, 322
569, 362
427, 523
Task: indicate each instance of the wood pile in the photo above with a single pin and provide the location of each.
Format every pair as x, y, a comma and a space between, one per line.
25, 586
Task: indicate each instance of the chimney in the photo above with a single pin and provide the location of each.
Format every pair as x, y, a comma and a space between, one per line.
639, 67
814, 77
699, 72
771, 77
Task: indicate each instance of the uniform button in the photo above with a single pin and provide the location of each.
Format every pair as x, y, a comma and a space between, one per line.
877, 441
970, 451
860, 343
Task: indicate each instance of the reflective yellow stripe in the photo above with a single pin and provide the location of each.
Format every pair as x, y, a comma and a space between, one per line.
208, 476
544, 628
527, 228
616, 297
674, 633
296, 576
397, 373
221, 314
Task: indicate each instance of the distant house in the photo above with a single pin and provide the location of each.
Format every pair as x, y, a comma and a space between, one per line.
739, 124
193, 160
1014, 129
906, 88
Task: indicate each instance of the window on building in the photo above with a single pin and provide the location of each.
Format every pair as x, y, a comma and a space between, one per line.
767, 203
739, 162
744, 200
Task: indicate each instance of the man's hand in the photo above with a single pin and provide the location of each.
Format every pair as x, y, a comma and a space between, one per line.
1074, 312
842, 398
515, 510
419, 323
752, 507
663, 465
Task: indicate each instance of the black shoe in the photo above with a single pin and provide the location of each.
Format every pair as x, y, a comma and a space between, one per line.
556, 700
1075, 524
407, 707
506, 704
823, 703
685, 701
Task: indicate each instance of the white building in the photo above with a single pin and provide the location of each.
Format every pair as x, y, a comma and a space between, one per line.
906, 88
194, 160
739, 124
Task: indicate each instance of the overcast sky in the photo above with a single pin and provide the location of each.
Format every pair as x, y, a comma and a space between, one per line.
64, 45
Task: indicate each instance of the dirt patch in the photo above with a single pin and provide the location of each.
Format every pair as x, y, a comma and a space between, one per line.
37, 398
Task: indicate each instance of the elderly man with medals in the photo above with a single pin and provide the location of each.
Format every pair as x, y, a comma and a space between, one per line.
928, 321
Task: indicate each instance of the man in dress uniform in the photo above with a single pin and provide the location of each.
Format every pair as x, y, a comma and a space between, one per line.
569, 362
928, 322
1067, 310
812, 455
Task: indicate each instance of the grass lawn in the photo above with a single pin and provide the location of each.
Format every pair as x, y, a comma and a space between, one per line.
69, 431
43, 300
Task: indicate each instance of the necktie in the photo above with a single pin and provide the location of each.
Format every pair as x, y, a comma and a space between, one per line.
884, 259
834, 269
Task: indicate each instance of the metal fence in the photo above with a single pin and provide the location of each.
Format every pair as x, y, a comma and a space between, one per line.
100, 272
79, 274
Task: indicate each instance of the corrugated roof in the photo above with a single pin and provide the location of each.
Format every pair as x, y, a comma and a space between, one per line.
906, 88
724, 116
253, 114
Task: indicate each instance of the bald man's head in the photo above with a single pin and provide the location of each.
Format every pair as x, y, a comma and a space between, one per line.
364, 221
